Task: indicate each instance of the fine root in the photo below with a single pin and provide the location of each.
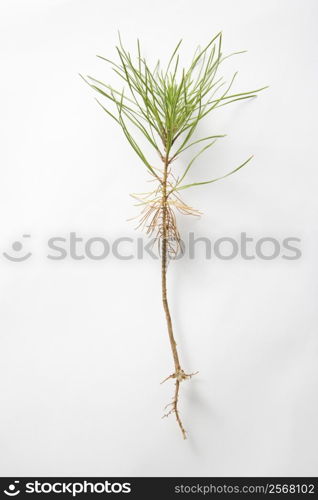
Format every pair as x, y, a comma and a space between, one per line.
179, 376
151, 218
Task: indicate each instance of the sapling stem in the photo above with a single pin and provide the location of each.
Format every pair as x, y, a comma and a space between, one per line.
165, 232
178, 374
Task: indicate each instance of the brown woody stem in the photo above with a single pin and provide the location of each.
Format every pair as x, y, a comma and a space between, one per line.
178, 374
164, 257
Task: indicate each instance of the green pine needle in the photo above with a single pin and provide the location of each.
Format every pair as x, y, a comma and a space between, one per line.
166, 106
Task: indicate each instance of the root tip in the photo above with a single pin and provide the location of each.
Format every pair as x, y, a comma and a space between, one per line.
179, 375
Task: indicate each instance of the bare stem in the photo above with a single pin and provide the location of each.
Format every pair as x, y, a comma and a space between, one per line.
165, 232
179, 375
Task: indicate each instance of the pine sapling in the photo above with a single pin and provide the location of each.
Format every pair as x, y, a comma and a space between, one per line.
166, 106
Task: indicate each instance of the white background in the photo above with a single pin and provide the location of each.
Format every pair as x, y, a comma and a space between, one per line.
84, 343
